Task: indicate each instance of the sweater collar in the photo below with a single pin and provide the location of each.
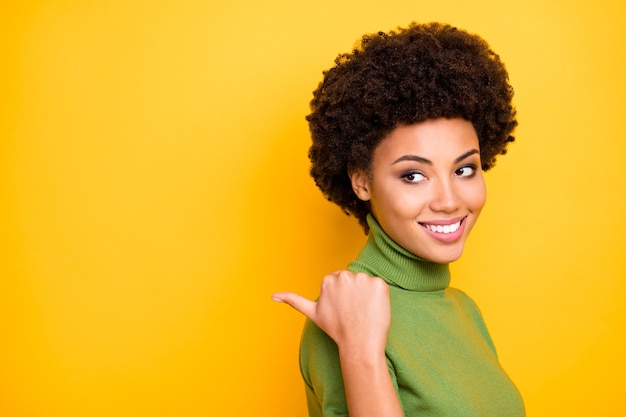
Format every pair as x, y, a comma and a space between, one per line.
384, 258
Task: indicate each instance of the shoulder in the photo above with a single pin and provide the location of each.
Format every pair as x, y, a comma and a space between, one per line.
468, 306
464, 300
471, 310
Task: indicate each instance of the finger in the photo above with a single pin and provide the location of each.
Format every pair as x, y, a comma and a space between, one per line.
302, 304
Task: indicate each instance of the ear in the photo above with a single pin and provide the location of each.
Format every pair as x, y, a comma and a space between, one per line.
361, 185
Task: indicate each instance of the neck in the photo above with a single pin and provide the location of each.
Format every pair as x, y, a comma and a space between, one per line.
383, 257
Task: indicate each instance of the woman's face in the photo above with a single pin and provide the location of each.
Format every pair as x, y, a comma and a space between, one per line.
426, 187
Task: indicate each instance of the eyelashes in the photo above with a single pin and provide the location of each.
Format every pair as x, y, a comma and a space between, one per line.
415, 177
466, 171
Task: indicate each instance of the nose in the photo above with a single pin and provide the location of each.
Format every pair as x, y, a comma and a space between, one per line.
445, 197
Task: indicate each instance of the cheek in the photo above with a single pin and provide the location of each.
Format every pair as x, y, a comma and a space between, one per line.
478, 197
397, 203
410, 202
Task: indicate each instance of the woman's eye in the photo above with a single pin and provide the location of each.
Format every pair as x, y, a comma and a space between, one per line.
466, 171
413, 177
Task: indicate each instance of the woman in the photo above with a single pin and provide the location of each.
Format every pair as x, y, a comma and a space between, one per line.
402, 129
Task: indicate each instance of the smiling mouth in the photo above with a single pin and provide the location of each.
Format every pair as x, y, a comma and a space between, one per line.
443, 228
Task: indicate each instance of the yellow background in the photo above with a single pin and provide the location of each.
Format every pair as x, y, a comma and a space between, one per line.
154, 193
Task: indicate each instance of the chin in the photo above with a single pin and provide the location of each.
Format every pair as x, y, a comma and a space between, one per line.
445, 257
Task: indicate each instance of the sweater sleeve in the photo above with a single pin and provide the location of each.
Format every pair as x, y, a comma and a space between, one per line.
321, 371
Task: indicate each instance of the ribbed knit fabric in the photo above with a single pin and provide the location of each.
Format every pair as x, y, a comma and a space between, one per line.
440, 356
382, 257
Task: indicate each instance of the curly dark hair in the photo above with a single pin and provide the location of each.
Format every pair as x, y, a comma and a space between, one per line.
407, 76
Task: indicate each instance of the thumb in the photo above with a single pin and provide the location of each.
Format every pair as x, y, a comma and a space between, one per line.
302, 304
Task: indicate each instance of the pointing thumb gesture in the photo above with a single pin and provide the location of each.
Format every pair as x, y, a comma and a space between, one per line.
353, 308
300, 303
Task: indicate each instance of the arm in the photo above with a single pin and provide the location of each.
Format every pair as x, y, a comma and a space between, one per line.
353, 309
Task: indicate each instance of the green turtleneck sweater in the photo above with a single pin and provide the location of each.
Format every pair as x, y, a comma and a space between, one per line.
440, 356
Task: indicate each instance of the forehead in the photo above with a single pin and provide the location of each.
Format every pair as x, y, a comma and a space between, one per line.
437, 138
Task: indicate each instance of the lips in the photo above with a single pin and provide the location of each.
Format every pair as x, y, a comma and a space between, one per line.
446, 231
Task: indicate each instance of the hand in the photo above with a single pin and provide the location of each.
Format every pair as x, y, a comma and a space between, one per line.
353, 309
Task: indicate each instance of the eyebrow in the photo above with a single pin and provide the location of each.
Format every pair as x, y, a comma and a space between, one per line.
423, 160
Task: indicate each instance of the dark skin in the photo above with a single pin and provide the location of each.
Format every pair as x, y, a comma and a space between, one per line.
403, 77
427, 190
407, 80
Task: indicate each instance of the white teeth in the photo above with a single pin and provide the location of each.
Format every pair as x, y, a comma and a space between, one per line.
448, 228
